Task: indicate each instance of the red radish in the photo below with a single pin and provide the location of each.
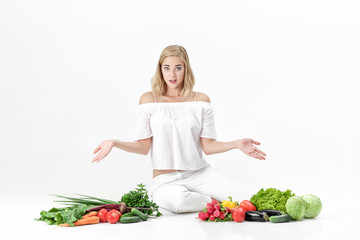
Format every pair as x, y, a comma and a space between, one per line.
214, 202
222, 215
209, 205
201, 216
217, 206
212, 217
206, 215
228, 210
210, 209
216, 213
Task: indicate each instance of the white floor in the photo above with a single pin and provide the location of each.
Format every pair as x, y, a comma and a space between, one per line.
22, 199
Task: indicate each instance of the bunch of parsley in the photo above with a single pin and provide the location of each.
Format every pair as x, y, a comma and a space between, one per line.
139, 198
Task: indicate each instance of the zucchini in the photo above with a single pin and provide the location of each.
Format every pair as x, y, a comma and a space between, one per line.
280, 218
143, 216
271, 212
130, 219
256, 216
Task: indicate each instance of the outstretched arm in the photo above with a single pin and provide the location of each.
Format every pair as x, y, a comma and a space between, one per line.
140, 147
246, 145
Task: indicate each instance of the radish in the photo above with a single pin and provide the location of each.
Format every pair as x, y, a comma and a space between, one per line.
214, 202
212, 217
216, 213
206, 215
222, 215
217, 206
210, 209
201, 216
209, 205
228, 210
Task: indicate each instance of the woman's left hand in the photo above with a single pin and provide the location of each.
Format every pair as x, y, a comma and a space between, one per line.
247, 145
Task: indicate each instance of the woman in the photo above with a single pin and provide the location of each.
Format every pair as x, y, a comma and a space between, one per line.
177, 124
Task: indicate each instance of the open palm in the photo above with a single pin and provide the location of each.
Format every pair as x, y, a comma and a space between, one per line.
247, 145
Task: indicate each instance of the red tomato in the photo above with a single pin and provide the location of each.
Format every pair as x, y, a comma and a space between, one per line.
113, 216
247, 206
238, 215
102, 215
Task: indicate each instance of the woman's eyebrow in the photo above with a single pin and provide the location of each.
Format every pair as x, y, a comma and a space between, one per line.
167, 65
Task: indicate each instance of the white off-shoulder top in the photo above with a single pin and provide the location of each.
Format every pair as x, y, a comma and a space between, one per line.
176, 128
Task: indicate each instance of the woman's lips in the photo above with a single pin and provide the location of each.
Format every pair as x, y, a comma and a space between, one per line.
173, 81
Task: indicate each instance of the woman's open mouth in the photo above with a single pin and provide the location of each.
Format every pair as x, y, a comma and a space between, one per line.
173, 81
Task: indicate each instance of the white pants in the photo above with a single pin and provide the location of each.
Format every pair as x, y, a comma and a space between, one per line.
190, 191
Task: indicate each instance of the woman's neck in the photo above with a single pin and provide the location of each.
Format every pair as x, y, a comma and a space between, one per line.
173, 93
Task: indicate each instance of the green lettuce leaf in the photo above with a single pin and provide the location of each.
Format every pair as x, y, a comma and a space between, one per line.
271, 198
56, 216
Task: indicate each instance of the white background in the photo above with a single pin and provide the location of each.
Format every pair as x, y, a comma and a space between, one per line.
282, 72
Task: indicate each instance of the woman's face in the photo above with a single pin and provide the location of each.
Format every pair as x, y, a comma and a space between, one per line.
173, 71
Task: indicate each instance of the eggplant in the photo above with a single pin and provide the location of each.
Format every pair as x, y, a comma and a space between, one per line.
271, 212
256, 216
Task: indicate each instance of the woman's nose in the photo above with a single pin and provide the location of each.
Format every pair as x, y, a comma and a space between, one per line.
172, 73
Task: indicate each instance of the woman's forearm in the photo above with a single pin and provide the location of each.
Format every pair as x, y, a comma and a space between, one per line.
133, 147
212, 147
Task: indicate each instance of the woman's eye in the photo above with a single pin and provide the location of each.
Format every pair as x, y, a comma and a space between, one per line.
166, 68
178, 68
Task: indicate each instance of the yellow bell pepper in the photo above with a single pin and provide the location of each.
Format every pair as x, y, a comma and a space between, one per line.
230, 204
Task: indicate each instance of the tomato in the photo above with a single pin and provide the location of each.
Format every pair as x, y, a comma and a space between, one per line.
113, 216
247, 206
238, 215
102, 215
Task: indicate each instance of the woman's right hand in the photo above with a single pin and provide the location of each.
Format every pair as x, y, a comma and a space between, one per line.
103, 150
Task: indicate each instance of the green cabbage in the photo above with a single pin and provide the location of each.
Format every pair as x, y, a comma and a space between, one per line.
312, 205
271, 198
295, 207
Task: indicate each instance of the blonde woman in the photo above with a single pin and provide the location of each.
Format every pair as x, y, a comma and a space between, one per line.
177, 125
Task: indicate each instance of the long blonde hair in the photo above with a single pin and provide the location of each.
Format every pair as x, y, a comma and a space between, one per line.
158, 83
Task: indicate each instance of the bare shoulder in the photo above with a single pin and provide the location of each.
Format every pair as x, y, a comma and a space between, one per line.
147, 97
202, 97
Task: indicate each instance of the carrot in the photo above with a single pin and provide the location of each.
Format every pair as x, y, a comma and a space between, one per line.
90, 214
86, 221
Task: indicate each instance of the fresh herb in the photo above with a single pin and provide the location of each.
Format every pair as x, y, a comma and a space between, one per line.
139, 198
63, 215
271, 198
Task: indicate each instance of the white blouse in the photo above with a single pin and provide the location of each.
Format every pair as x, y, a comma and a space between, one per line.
176, 128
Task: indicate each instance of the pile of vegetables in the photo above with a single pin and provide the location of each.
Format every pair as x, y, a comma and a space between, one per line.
225, 211
134, 206
216, 212
291, 206
266, 205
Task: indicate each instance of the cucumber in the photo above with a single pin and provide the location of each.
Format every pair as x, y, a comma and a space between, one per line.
129, 214
280, 218
131, 219
271, 212
143, 216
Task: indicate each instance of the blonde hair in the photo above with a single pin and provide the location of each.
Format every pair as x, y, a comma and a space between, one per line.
158, 83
